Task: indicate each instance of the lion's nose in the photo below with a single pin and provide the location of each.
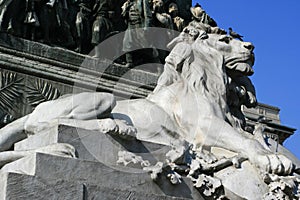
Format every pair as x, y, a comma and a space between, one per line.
248, 45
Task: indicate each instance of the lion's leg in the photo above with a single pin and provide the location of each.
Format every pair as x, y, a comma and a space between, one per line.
12, 133
106, 126
221, 134
153, 124
88, 106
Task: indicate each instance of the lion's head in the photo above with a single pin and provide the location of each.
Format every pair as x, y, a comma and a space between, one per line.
219, 71
210, 50
212, 59
199, 72
238, 56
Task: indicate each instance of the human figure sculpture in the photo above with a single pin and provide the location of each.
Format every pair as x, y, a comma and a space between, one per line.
71, 17
203, 21
31, 20
138, 15
118, 20
83, 26
200, 14
178, 22
53, 19
12, 13
65, 36
102, 24
161, 19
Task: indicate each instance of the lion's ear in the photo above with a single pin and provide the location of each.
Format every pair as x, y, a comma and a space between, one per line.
225, 38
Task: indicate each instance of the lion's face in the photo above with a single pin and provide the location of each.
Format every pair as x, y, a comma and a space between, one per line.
238, 56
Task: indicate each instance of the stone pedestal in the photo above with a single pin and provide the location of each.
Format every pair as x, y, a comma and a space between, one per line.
93, 175
93, 145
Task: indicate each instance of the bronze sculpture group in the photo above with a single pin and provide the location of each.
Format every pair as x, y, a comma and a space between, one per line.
76, 24
81, 25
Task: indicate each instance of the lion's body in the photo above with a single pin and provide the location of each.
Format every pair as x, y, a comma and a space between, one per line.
196, 98
193, 106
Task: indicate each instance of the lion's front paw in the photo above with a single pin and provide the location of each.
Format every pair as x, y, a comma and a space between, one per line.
107, 126
274, 163
125, 130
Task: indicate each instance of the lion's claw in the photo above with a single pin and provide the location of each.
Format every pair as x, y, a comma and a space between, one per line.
275, 164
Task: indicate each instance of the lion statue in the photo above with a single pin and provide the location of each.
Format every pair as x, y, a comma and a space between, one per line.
190, 100
188, 109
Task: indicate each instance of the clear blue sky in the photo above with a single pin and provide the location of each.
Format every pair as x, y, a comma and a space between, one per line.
274, 28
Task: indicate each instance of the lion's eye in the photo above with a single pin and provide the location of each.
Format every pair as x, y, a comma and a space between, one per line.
225, 39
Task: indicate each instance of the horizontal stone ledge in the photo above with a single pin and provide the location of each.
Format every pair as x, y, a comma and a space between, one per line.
20, 186
75, 79
66, 59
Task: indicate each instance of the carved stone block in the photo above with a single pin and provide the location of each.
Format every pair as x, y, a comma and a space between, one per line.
59, 174
93, 145
20, 186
